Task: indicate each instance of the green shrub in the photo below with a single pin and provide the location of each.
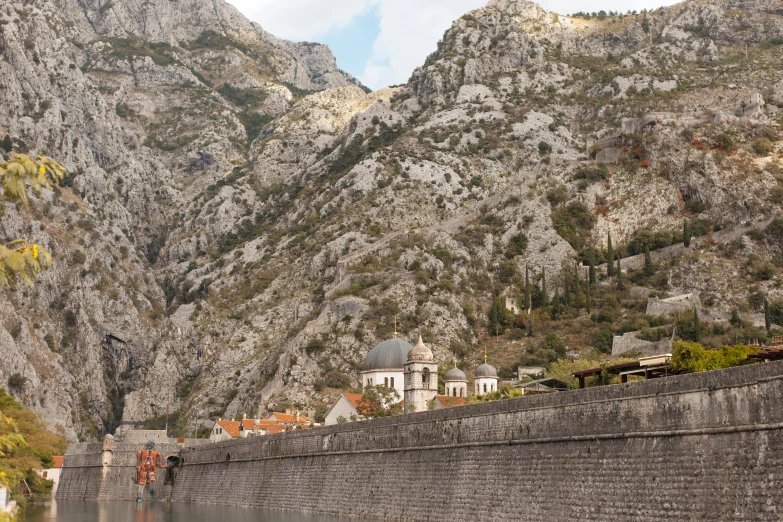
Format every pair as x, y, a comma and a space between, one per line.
574, 223
725, 141
693, 357
336, 379
762, 146
516, 246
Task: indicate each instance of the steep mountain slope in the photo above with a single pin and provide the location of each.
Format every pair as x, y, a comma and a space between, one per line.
251, 239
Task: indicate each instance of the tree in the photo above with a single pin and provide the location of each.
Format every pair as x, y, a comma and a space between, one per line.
379, 401
686, 234
696, 325
648, 266
767, 315
20, 259
693, 357
500, 317
609, 257
620, 282
7, 145
591, 271
588, 298
528, 290
544, 296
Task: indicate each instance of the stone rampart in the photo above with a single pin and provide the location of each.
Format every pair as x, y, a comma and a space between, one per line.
107, 471
693, 447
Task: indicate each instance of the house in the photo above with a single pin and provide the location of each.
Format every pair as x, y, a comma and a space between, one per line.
345, 407
442, 401
233, 429
267, 427
290, 419
53, 473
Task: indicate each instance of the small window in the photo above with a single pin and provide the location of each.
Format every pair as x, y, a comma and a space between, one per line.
386, 381
460, 392
454, 392
45, 474
392, 382
485, 388
491, 387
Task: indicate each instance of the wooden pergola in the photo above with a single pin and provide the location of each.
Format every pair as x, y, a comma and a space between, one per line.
648, 367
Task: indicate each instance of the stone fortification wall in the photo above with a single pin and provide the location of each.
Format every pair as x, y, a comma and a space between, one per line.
107, 471
627, 343
694, 447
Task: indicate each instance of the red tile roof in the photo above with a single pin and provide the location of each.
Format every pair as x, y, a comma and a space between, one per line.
449, 402
232, 427
289, 419
58, 462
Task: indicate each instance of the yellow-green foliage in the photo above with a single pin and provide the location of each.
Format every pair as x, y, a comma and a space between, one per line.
693, 357
21, 259
25, 445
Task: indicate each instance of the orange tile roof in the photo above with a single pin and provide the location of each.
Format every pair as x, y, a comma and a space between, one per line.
58, 462
276, 428
449, 402
288, 418
232, 427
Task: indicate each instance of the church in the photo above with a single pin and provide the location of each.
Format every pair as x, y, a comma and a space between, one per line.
413, 372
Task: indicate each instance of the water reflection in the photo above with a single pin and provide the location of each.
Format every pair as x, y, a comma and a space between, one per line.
162, 512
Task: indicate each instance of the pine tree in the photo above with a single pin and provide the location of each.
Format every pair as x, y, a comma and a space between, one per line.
686, 234
648, 266
767, 315
7, 145
609, 257
544, 295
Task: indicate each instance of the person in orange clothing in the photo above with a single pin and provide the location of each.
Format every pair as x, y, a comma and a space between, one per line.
146, 463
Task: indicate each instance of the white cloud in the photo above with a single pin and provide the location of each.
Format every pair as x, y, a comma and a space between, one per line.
409, 29
301, 20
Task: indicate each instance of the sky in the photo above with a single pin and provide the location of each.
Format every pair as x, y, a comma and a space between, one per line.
381, 42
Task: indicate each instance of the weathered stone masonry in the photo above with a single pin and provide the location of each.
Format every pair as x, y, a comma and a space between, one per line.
699, 447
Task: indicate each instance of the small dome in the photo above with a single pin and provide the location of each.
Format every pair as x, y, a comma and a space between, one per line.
388, 355
455, 374
420, 352
486, 370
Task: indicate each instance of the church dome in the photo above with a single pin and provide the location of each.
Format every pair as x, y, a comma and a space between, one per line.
388, 355
420, 352
455, 374
486, 370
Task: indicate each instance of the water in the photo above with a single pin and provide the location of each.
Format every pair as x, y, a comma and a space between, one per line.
161, 512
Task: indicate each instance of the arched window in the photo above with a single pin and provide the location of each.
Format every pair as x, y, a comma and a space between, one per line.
477, 388
460, 392
485, 387
425, 378
491, 387
386, 381
392, 382
454, 392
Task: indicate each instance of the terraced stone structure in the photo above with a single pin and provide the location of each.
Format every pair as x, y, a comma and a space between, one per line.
699, 447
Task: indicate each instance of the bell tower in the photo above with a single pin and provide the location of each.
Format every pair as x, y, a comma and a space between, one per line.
421, 378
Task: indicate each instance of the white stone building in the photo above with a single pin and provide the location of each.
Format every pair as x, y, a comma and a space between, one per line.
384, 365
53, 473
456, 383
486, 379
345, 409
421, 378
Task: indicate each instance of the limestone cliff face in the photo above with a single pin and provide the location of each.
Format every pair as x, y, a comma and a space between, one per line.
246, 220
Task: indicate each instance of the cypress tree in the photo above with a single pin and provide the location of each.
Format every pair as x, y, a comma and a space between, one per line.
620, 284
528, 290
686, 234
609, 257
767, 315
7, 144
587, 295
591, 272
566, 289
544, 295
696, 325
648, 266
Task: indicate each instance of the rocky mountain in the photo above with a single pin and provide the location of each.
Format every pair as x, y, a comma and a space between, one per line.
243, 221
